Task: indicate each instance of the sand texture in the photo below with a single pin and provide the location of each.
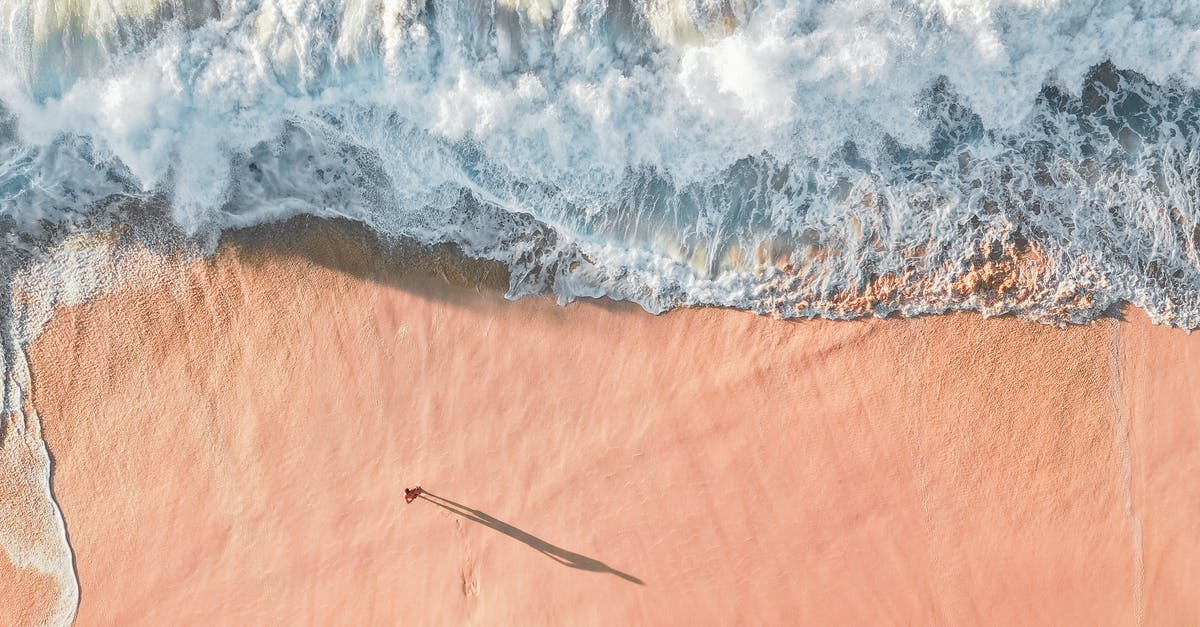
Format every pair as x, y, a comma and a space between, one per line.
232, 447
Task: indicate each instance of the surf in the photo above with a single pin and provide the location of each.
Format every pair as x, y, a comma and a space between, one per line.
790, 157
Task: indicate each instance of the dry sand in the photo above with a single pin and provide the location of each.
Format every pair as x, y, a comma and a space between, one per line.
233, 448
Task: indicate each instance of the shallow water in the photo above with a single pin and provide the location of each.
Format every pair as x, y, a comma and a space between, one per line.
795, 157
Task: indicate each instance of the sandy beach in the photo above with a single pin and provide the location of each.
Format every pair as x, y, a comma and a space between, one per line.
232, 447
677, 312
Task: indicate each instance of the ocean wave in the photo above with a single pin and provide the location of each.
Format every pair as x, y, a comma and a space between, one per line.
794, 157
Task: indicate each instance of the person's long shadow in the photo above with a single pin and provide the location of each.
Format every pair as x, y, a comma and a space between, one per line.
560, 555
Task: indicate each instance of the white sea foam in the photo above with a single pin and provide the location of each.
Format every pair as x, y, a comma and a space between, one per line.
767, 155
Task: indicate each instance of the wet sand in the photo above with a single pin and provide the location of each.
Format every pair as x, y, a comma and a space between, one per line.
36, 582
233, 447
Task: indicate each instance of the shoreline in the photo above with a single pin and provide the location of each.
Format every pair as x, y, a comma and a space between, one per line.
234, 435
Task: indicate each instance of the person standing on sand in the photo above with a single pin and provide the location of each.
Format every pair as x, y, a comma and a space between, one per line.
411, 494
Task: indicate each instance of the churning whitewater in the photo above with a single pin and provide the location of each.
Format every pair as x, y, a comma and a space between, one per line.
795, 157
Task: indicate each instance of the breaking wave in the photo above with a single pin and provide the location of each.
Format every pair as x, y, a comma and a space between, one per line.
796, 157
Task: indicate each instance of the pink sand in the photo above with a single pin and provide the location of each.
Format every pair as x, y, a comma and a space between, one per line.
235, 450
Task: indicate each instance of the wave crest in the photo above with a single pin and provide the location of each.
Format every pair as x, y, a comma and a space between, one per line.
792, 156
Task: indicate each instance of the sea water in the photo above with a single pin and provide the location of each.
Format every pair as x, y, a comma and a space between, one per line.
796, 157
